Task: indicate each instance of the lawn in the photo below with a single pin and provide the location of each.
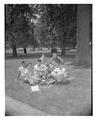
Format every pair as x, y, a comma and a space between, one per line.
72, 98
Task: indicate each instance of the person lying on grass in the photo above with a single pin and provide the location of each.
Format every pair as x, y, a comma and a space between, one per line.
21, 71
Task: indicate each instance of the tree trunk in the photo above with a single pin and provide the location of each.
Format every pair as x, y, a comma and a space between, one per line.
14, 51
83, 36
63, 51
33, 48
25, 51
63, 44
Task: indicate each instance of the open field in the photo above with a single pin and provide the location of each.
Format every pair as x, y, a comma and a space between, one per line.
72, 98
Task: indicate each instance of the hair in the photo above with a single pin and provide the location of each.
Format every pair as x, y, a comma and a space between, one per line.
22, 62
54, 51
28, 64
39, 60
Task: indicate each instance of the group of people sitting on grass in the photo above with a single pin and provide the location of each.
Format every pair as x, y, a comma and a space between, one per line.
44, 71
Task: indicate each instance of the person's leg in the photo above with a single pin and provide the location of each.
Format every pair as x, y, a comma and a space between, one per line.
30, 81
21, 79
51, 79
65, 75
36, 80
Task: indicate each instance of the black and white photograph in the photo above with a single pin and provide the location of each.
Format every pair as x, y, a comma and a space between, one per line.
48, 59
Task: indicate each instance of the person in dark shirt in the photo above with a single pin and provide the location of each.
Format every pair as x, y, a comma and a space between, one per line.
56, 59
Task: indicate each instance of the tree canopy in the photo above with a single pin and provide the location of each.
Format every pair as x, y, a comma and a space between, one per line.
44, 24
19, 29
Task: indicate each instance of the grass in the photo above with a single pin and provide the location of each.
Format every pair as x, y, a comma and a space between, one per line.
73, 98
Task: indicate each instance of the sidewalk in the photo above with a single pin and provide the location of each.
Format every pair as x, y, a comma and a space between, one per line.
17, 108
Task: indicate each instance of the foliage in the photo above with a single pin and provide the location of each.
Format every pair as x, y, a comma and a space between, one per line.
55, 25
61, 19
18, 29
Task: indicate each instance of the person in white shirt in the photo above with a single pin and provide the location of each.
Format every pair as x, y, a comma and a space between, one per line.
29, 73
21, 71
39, 69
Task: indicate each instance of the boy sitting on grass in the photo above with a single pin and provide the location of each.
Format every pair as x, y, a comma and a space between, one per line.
30, 77
39, 70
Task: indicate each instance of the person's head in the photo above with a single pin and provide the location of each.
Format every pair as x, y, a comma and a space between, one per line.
29, 65
23, 63
39, 62
54, 63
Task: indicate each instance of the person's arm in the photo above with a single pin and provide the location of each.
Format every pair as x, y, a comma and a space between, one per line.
26, 73
61, 60
51, 60
44, 68
36, 71
41, 58
45, 61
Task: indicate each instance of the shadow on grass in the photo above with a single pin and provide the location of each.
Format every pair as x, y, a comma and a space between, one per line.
67, 82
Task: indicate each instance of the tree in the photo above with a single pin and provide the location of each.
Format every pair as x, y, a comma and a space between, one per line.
83, 35
17, 24
61, 18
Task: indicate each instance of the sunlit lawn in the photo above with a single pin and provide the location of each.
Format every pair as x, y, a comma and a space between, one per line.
71, 98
